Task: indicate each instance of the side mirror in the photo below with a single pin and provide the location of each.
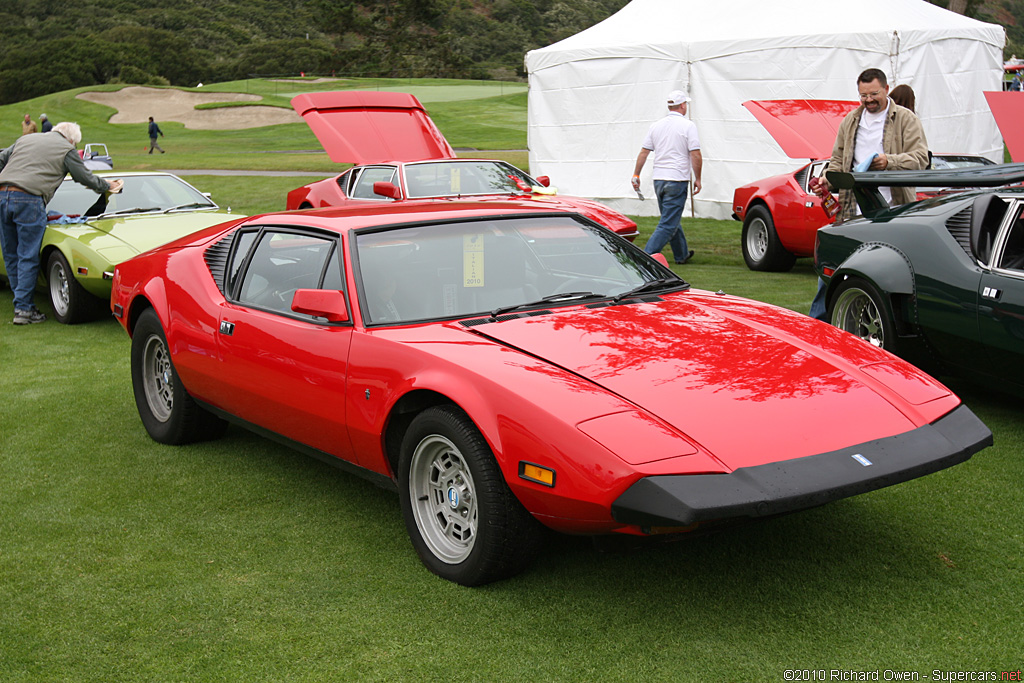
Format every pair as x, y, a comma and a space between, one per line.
543, 181
323, 303
660, 258
386, 189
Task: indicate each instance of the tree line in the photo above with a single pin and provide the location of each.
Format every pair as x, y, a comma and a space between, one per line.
54, 45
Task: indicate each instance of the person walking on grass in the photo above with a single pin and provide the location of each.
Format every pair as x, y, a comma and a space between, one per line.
154, 131
677, 159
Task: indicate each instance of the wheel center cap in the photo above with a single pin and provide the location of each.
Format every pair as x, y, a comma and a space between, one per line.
453, 497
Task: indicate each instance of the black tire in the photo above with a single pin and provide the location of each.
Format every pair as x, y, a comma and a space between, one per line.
762, 249
71, 303
464, 522
857, 307
168, 413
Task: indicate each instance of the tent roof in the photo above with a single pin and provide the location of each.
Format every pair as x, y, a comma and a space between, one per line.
691, 30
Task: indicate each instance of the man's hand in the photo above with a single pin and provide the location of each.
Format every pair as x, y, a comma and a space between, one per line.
115, 185
819, 186
696, 185
880, 163
636, 183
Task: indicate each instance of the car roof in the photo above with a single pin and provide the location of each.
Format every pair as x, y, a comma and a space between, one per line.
804, 129
366, 127
344, 219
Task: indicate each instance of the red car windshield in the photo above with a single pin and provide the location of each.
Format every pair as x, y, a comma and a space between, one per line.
464, 178
490, 264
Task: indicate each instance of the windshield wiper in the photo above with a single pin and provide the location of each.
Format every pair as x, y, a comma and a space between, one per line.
549, 299
660, 283
190, 205
137, 209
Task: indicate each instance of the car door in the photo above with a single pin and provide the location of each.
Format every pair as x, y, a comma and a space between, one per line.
285, 371
1001, 299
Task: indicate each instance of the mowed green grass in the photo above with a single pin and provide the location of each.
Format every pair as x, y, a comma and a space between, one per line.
240, 560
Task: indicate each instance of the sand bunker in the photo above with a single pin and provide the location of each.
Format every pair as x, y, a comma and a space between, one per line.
136, 104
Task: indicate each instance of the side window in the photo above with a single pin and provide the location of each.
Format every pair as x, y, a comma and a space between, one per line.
283, 262
363, 187
243, 243
1013, 252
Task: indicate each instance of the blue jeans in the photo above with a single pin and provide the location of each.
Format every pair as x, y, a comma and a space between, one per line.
818, 305
671, 196
22, 226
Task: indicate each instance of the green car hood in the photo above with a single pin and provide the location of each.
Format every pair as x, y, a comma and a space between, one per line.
119, 239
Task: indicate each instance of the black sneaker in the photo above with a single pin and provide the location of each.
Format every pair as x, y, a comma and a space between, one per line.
685, 260
29, 317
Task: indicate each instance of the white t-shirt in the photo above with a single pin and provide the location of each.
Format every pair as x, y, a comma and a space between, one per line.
869, 141
672, 139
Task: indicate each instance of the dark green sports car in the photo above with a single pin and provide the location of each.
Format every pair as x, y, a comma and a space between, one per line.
939, 281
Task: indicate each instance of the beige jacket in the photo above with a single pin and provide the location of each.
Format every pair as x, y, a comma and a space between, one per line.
903, 142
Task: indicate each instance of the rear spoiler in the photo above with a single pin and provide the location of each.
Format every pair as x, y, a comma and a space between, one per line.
865, 185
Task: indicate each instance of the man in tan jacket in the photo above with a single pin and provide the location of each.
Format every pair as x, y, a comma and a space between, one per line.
881, 136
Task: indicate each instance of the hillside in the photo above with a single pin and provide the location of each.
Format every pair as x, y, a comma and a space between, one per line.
53, 45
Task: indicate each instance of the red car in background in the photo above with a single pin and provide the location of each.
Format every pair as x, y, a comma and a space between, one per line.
399, 154
780, 214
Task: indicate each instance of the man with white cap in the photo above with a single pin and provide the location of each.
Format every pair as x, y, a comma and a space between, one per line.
677, 158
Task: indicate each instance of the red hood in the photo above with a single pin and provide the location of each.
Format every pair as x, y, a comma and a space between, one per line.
366, 127
747, 386
1008, 110
804, 129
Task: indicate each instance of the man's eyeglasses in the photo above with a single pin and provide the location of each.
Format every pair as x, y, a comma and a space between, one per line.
872, 95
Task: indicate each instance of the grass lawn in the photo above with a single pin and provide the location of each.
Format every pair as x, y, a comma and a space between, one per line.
238, 560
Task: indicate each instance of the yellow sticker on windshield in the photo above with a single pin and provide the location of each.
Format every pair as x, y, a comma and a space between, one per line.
456, 181
472, 260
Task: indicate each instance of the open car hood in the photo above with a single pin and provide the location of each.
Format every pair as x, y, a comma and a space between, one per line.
745, 386
366, 127
804, 129
1008, 109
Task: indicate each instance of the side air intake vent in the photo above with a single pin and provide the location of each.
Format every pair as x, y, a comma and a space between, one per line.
959, 226
801, 176
216, 257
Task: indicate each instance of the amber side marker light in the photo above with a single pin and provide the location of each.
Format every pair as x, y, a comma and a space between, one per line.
536, 473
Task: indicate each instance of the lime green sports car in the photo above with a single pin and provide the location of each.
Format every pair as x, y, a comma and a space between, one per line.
89, 234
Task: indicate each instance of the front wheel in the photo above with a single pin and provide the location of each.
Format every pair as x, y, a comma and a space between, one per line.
762, 249
71, 303
858, 308
167, 411
464, 522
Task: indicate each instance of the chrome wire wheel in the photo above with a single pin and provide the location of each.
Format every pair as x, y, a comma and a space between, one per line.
444, 499
757, 239
60, 295
158, 378
856, 312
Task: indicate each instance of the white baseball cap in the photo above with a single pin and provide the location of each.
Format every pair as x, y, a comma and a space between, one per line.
677, 97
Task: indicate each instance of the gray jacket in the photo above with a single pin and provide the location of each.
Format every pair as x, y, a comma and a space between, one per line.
38, 163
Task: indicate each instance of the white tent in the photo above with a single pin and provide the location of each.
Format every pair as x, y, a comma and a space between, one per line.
593, 95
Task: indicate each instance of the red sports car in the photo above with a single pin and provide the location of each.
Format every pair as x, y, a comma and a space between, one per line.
780, 214
506, 368
400, 155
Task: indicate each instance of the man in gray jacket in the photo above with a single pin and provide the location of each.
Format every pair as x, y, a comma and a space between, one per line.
31, 170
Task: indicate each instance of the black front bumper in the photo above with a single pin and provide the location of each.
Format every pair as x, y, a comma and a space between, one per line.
775, 488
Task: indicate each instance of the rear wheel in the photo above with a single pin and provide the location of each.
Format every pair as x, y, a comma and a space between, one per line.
762, 249
858, 308
168, 413
71, 303
464, 522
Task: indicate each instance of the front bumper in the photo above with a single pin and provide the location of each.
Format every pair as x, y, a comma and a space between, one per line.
775, 488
